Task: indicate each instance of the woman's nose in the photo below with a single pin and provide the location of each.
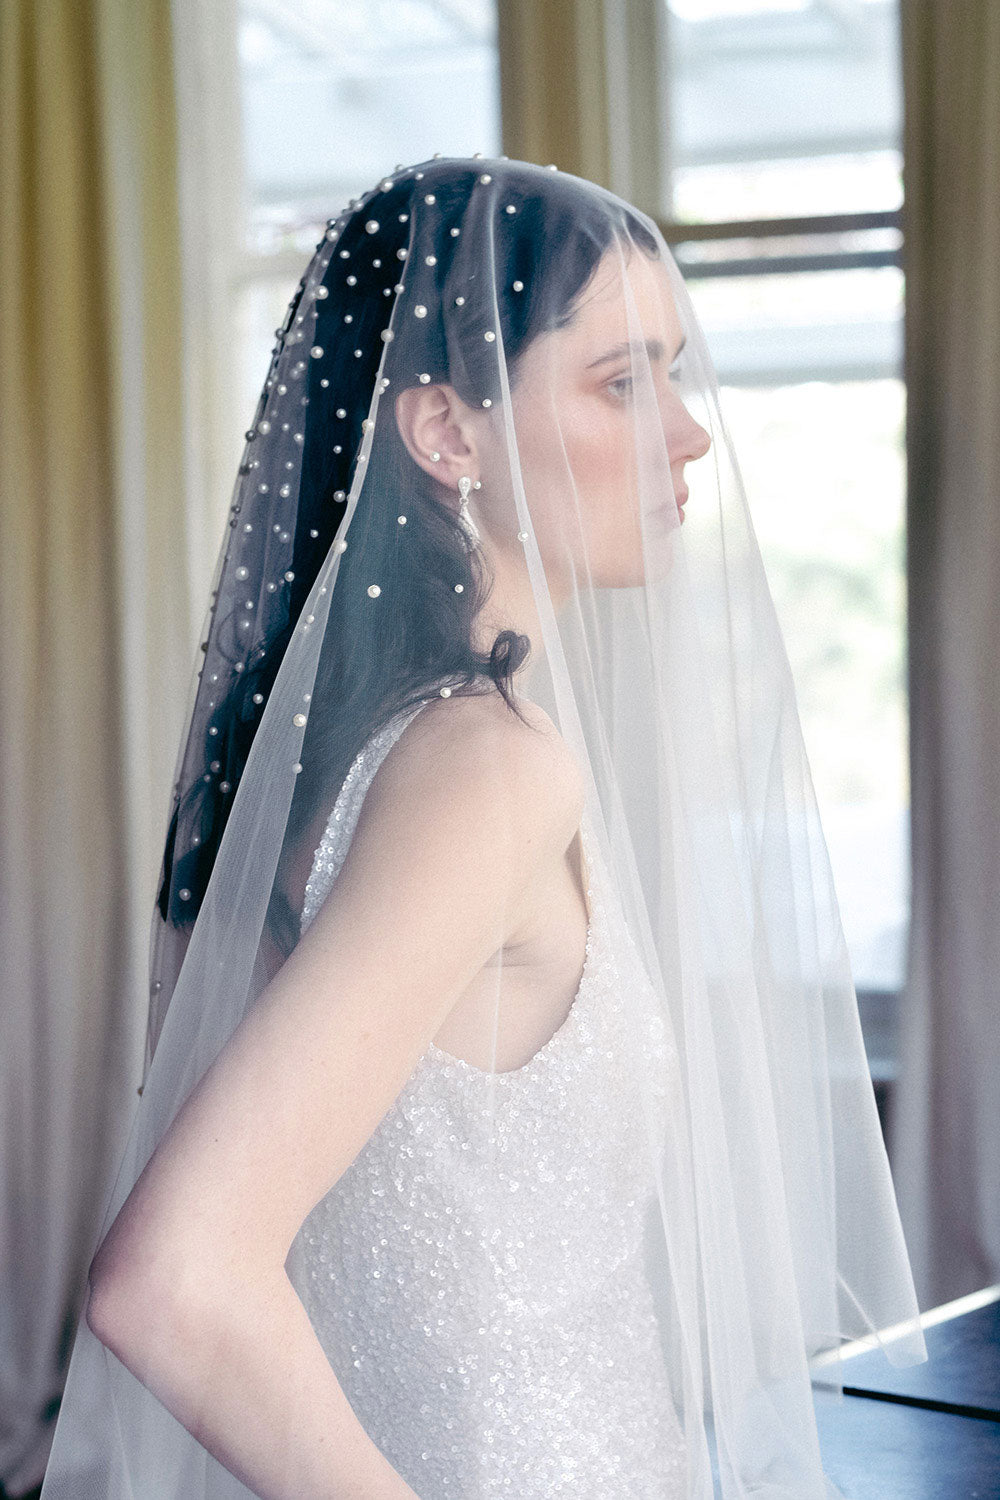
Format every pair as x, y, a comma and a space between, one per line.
701, 441
686, 439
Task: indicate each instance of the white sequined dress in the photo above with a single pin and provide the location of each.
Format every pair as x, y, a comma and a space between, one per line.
487, 1349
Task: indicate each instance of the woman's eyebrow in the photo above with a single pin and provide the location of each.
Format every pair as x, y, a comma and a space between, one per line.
653, 348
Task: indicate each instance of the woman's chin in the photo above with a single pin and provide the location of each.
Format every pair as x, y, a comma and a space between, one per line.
650, 564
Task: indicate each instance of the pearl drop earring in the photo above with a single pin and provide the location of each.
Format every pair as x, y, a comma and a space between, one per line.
471, 529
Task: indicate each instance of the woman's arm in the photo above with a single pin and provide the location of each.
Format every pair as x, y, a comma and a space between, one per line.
189, 1288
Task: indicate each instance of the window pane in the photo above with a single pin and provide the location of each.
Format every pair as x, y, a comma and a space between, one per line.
809, 368
770, 330
781, 108
336, 93
824, 467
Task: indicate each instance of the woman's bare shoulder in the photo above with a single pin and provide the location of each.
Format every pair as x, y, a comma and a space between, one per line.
476, 745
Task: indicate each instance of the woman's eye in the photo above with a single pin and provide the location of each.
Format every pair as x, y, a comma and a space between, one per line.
622, 380
676, 370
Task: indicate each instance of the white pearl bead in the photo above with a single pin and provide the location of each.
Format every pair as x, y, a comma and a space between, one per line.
299, 721
460, 588
518, 286
522, 536
489, 335
444, 692
401, 520
420, 311
372, 226
340, 545
373, 591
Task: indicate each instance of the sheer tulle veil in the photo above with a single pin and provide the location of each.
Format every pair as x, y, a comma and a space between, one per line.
591, 559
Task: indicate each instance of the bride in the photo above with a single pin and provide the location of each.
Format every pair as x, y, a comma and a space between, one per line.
506, 1126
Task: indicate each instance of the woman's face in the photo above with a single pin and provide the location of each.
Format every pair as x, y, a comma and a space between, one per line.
602, 434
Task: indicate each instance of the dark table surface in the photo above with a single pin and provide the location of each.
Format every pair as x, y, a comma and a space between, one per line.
925, 1432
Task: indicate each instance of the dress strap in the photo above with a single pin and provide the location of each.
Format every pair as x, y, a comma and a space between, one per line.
333, 846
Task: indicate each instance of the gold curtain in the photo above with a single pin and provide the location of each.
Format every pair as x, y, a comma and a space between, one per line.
554, 84
97, 645
945, 1124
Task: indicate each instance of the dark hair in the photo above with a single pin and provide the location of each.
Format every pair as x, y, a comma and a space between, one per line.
557, 235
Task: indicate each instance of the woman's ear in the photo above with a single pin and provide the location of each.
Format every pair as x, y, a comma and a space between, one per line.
436, 426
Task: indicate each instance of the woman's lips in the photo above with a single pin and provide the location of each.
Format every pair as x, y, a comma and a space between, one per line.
680, 496
675, 504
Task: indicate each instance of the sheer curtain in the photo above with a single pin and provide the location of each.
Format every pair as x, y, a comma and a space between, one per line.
96, 618
946, 1120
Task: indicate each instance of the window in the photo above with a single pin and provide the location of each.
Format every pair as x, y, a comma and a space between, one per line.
779, 185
